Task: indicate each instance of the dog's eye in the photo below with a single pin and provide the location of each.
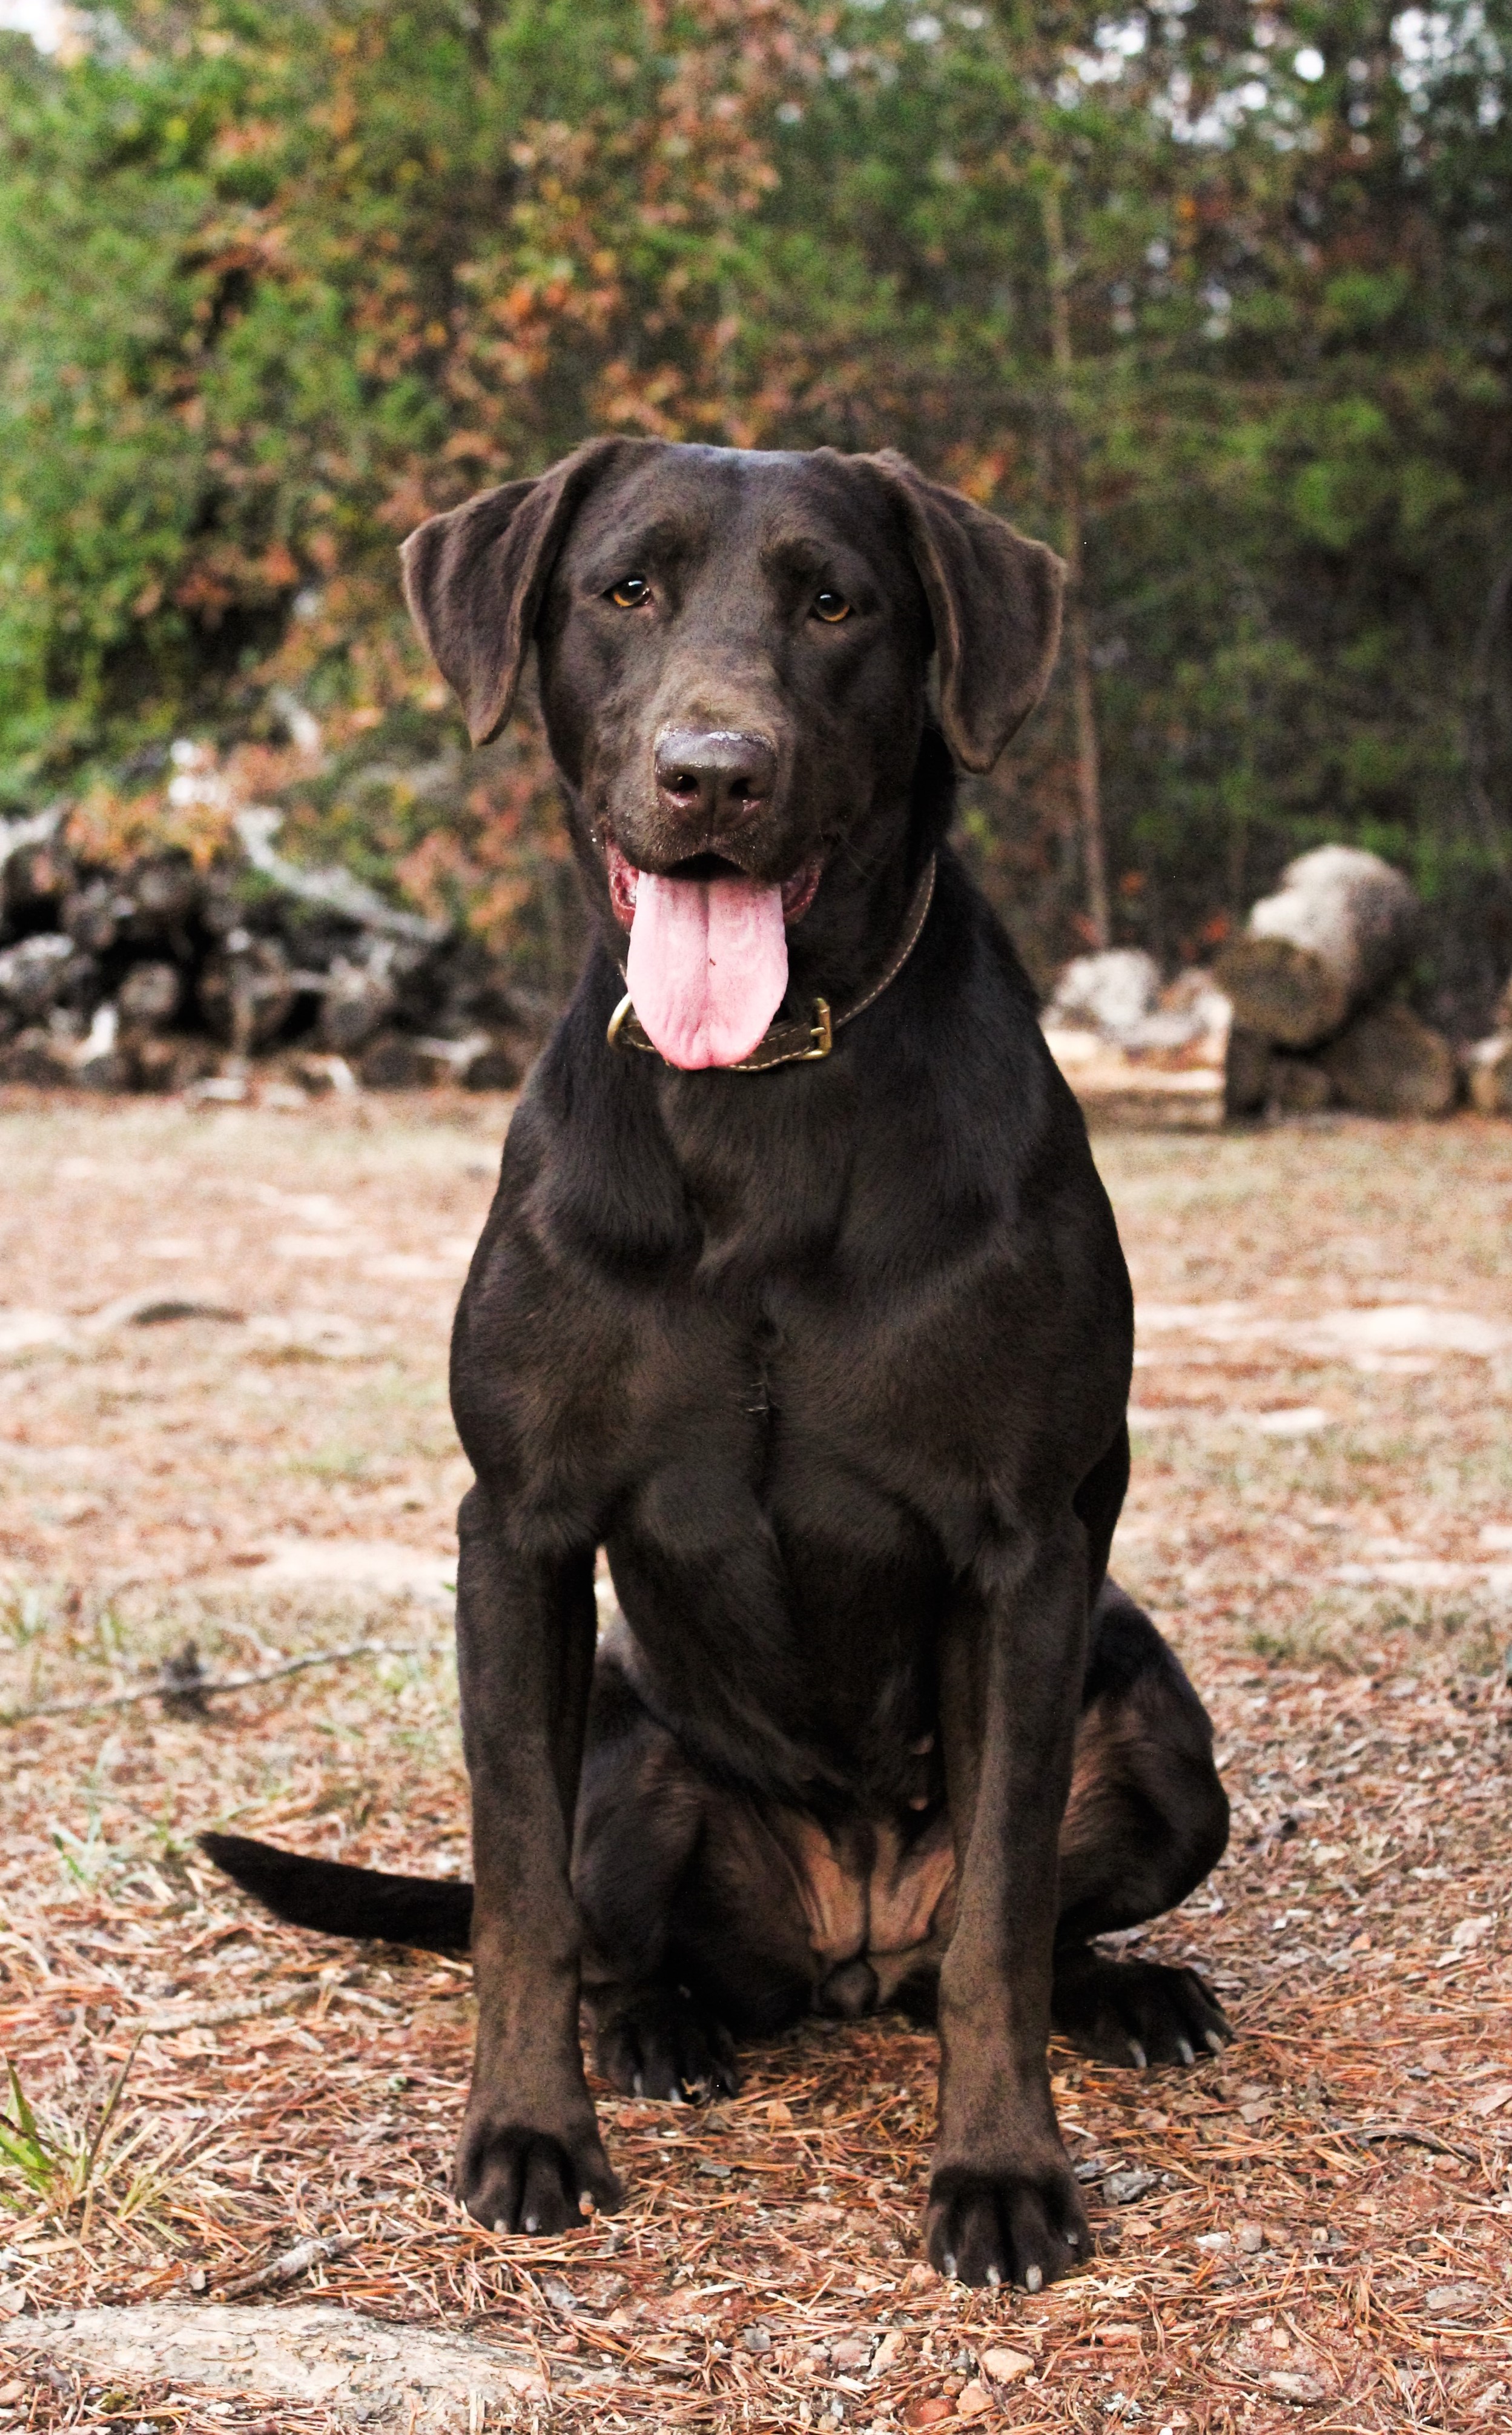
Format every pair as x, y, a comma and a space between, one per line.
632, 592
832, 606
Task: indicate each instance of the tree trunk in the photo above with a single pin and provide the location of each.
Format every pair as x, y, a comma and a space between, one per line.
1089, 765
1388, 1064
1343, 925
1078, 640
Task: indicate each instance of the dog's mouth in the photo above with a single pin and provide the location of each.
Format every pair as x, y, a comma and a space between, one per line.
797, 893
708, 961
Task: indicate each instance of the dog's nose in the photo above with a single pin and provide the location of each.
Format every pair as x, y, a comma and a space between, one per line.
713, 774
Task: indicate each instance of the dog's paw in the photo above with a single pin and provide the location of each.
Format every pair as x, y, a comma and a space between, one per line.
660, 2044
1006, 2227
515, 2179
1137, 2012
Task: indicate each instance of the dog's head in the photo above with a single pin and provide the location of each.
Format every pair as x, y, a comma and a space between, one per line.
734, 650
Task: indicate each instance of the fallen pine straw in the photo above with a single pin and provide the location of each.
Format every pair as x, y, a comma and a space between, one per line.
766, 2271
220, 2016
185, 1689
1372, 2132
290, 2266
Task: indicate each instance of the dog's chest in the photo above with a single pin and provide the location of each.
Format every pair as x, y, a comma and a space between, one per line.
788, 1400
767, 1186
782, 1543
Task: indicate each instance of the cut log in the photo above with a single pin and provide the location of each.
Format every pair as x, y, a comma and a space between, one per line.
318, 1075
1131, 1049
494, 1068
162, 1062
156, 1064
1297, 1086
1116, 1088
1106, 993
99, 1061
148, 997
393, 1063
93, 914
36, 974
1341, 928
1246, 1071
161, 897
449, 1061
247, 989
33, 828
37, 875
357, 1000
1388, 1064
39, 1057
1488, 1068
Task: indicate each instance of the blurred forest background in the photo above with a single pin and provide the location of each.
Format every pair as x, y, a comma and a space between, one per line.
1215, 295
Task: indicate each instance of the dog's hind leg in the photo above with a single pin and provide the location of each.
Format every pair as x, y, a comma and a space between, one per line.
691, 1906
640, 1819
1146, 1820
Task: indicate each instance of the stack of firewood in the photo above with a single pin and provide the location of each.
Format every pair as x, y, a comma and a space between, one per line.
159, 976
1305, 1012
1135, 1049
1314, 983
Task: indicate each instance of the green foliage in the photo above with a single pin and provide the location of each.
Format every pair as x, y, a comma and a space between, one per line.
62, 2163
276, 281
23, 2146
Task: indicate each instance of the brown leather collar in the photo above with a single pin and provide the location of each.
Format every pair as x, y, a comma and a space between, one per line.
798, 1041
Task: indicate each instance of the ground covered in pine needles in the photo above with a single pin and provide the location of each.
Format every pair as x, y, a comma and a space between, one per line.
223, 1421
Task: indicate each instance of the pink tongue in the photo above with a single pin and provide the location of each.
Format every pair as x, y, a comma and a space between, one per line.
707, 966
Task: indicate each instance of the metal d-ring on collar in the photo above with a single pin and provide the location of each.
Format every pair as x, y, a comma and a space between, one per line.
799, 1043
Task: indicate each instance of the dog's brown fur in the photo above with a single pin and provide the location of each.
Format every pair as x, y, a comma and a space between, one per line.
831, 1359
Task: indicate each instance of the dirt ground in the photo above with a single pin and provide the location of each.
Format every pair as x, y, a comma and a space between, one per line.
223, 1419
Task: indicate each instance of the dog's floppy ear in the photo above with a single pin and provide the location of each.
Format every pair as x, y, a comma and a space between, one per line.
995, 602
475, 579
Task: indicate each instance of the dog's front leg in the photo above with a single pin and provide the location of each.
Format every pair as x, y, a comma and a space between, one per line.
1003, 2205
526, 1628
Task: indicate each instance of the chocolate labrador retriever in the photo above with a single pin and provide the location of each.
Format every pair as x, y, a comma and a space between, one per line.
800, 1298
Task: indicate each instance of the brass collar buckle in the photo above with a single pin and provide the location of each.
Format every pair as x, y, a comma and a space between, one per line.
821, 1034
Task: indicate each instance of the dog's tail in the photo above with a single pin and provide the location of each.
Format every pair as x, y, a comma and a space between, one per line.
434, 1914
